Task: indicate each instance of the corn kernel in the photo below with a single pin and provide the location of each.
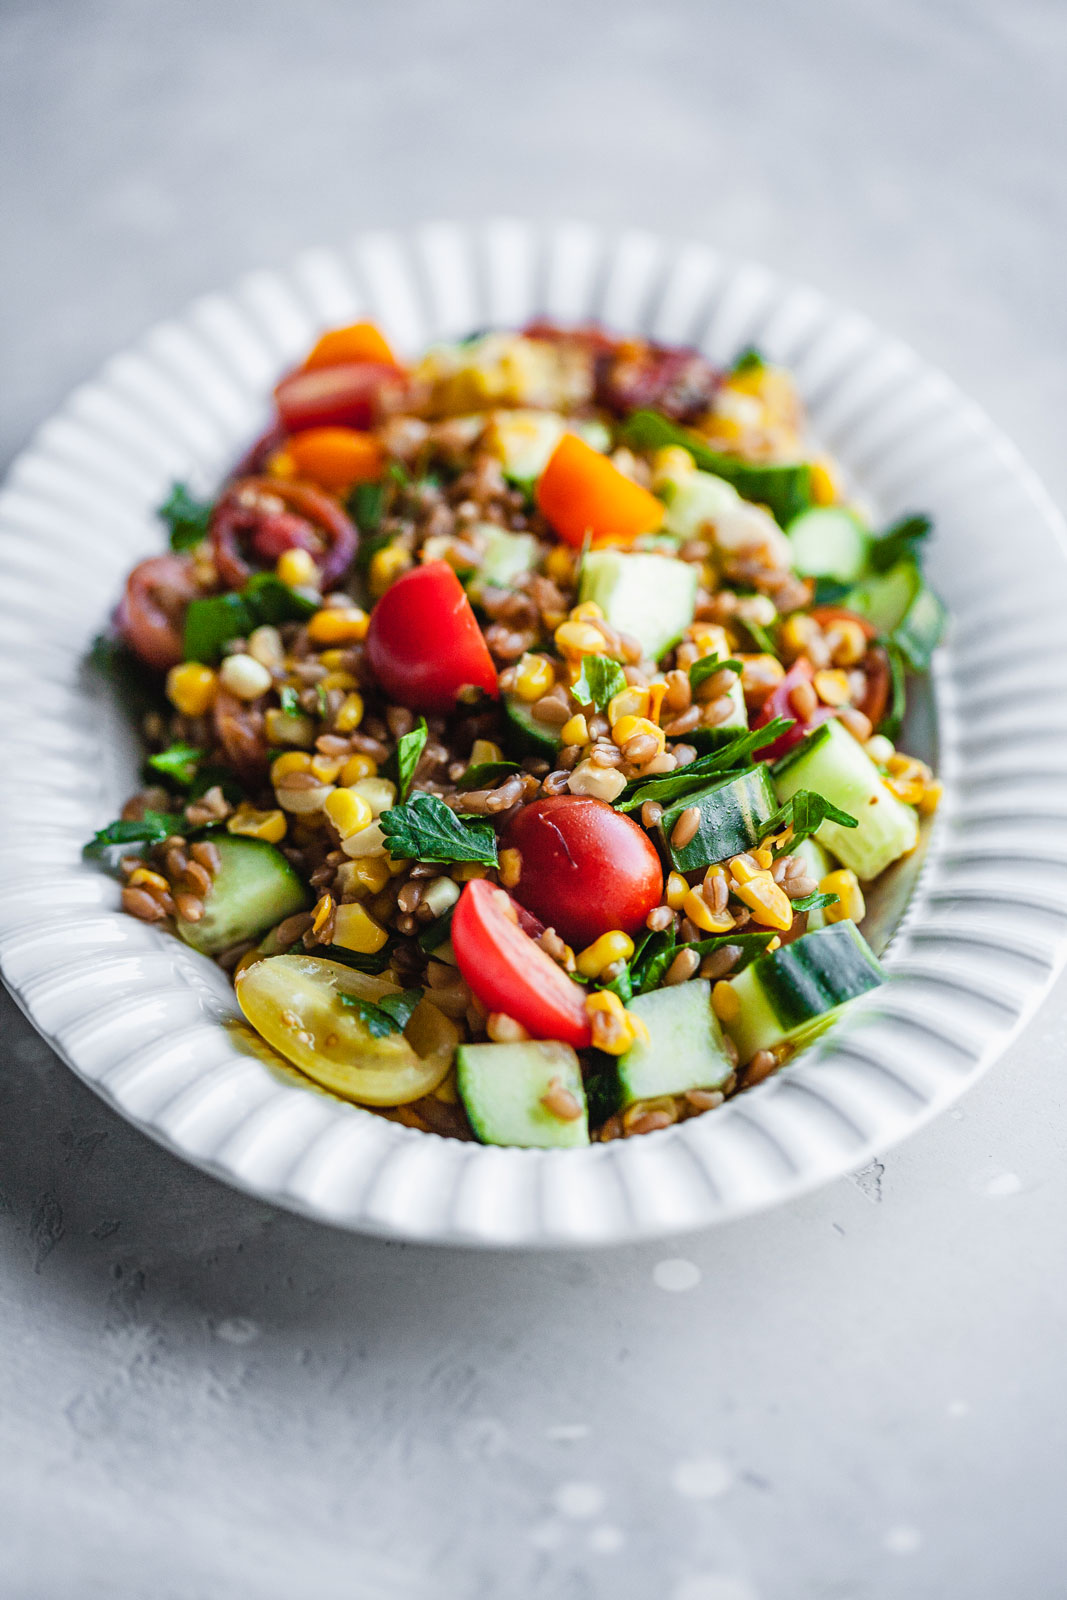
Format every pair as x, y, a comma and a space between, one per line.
628, 728
367, 875
559, 564
677, 889
628, 703
671, 464
285, 727
510, 868
656, 693
291, 761
604, 1000
326, 768
191, 688
348, 812
144, 877
323, 911
386, 565
910, 790
768, 902
483, 750
297, 568
745, 867
368, 842
340, 680
379, 793
281, 465
579, 639
796, 634
931, 798
851, 905
354, 929
467, 870
535, 678
614, 946
396, 865
253, 824
847, 641
349, 713
698, 911
763, 858
265, 646
724, 1002
357, 767
588, 611
824, 490
575, 730
339, 624
831, 686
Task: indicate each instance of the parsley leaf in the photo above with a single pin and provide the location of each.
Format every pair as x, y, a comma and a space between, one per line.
784, 488
365, 505
902, 540
212, 621
323, 700
290, 700
187, 519
372, 964
751, 359
805, 813
487, 773
425, 829
435, 933
814, 902
893, 720
153, 828
599, 681
390, 1014
706, 667
686, 780
179, 761
761, 637
408, 754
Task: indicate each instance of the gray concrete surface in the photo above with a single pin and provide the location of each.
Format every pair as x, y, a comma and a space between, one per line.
860, 1398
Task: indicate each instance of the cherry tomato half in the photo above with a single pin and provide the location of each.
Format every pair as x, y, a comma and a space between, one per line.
586, 869
151, 614
248, 522
424, 643
347, 396
778, 704
510, 973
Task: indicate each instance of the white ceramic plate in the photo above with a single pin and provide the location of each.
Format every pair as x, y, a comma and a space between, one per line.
144, 1020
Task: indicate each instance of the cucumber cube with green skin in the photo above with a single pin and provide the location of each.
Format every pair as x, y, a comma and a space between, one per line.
695, 500
902, 606
834, 764
685, 1048
650, 597
829, 542
732, 813
254, 889
791, 995
503, 1089
817, 864
711, 738
525, 735
505, 556
524, 440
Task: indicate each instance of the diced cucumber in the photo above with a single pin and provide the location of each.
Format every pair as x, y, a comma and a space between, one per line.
723, 732
685, 1048
829, 542
816, 864
650, 597
783, 487
732, 812
695, 500
503, 1088
832, 763
790, 995
505, 556
526, 735
254, 888
901, 605
524, 440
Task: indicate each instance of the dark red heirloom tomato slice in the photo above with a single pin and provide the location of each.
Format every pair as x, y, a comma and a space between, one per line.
247, 523
151, 614
510, 973
586, 869
424, 643
348, 396
778, 704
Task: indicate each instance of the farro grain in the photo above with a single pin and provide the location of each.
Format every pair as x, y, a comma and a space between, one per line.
683, 723
189, 907
720, 961
659, 919
763, 1063
705, 1099
139, 903
206, 853
560, 1102
685, 827
650, 814
682, 968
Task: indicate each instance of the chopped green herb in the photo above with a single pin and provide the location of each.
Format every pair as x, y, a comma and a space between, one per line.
893, 720
152, 828
187, 519
599, 681
670, 786
178, 761
211, 623
290, 700
390, 1014
372, 964
902, 540
814, 902
761, 637
785, 489
486, 773
323, 700
750, 360
271, 600
436, 932
408, 755
425, 829
830, 592
805, 812
707, 667
365, 505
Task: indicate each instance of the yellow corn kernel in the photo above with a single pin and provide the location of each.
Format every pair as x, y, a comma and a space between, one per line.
326, 768
851, 905
357, 767
831, 686
656, 692
510, 868
638, 1027
628, 703
366, 875
191, 688
144, 877
796, 633
604, 1000
588, 611
774, 944
764, 858
324, 909
902, 766
823, 481
296, 567
768, 903
724, 1002
282, 465
575, 730
535, 678
910, 790
283, 727
355, 929
253, 824
848, 642
579, 639
931, 798
350, 712
348, 812
339, 624
671, 464
677, 889
340, 680
710, 639
614, 946
466, 870
483, 750
335, 660
379, 793
386, 565
628, 728
291, 761
698, 911
745, 867
559, 564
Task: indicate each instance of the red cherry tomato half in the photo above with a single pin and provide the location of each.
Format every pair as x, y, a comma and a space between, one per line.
778, 704
424, 643
586, 869
510, 973
151, 614
348, 396
247, 522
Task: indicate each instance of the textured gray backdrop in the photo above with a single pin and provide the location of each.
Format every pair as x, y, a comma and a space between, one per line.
859, 1399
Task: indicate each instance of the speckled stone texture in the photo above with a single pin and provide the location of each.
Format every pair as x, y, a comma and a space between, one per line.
860, 1398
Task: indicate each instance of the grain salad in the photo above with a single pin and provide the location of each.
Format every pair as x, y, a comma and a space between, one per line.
521, 730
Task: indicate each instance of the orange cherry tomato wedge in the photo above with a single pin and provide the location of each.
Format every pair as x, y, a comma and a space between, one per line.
360, 341
335, 458
581, 493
